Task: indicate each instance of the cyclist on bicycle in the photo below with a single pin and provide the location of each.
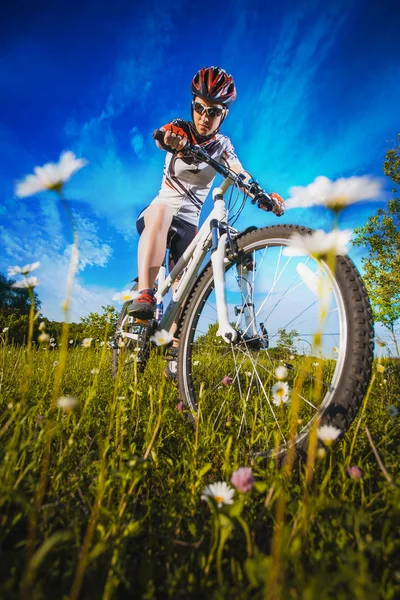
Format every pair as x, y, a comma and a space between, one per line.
186, 183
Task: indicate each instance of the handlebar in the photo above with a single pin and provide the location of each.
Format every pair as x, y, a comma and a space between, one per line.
252, 188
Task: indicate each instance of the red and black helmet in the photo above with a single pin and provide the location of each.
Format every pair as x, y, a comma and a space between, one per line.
214, 83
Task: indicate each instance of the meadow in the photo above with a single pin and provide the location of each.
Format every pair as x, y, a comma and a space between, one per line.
101, 493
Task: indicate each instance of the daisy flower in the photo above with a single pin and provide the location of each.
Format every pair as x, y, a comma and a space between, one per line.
280, 393
125, 296
25, 270
335, 195
392, 411
281, 372
29, 282
318, 244
220, 492
161, 338
51, 176
67, 403
328, 434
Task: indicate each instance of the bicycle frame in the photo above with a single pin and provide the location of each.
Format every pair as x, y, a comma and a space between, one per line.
190, 263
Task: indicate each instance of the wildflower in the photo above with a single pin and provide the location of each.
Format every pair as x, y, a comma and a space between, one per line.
318, 244
280, 393
354, 472
67, 403
51, 176
227, 380
220, 492
94, 371
281, 372
125, 296
86, 342
180, 407
380, 368
328, 434
335, 195
28, 282
25, 270
5, 329
243, 479
321, 452
161, 338
392, 411
55, 363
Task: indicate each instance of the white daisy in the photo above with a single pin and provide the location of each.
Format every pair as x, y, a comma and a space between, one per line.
328, 434
125, 296
334, 194
29, 282
51, 176
161, 338
67, 403
281, 372
280, 393
220, 492
318, 244
25, 270
87, 342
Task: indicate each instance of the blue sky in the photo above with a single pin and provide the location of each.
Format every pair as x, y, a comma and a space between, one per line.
318, 94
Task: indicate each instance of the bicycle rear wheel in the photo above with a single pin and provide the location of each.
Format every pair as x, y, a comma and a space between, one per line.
273, 301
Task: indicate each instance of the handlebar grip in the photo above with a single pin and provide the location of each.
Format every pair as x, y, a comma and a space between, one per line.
158, 135
265, 201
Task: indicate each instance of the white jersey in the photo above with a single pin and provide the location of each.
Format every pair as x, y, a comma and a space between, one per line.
185, 186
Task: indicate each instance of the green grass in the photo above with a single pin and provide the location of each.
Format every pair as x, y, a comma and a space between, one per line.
104, 502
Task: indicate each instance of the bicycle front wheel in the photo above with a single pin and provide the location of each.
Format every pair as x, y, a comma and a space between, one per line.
295, 356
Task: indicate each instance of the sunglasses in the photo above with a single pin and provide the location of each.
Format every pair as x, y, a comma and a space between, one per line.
212, 111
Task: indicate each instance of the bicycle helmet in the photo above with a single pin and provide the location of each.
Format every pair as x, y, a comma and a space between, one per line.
214, 84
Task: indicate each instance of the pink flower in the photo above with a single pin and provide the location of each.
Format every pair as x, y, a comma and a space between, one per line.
180, 407
354, 472
227, 380
243, 479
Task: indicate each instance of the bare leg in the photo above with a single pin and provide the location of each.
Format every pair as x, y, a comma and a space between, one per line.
153, 243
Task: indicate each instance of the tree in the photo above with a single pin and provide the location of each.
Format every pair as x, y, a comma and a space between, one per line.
15, 300
381, 238
98, 326
286, 339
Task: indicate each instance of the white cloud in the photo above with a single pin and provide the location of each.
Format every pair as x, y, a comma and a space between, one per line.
34, 237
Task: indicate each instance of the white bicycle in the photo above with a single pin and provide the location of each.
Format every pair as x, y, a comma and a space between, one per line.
230, 314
